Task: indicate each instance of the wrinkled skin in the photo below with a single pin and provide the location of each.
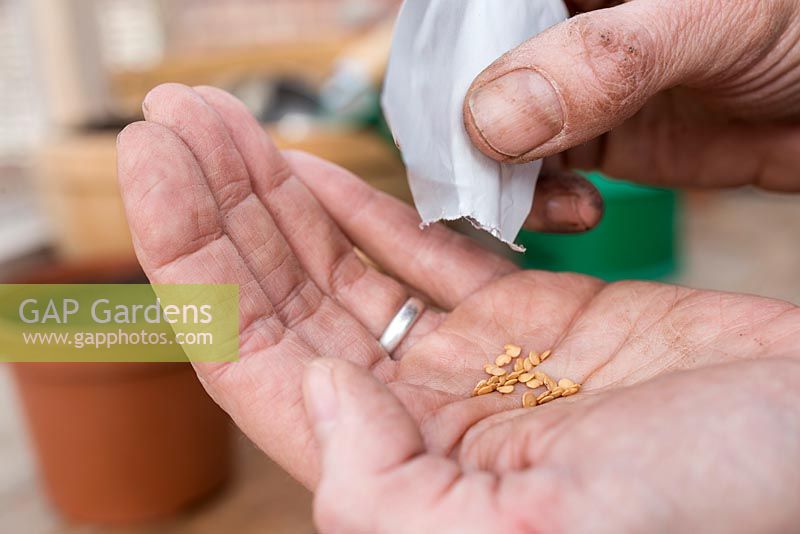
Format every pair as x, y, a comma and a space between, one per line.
688, 416
695, 93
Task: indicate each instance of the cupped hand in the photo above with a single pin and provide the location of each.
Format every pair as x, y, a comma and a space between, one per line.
708, 450
697, 93
211, 200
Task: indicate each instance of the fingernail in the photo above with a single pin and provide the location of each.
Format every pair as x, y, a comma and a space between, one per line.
590, 212
517, 112
323, 404
570, 212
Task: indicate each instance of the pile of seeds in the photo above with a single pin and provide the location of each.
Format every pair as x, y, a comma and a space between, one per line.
511, 368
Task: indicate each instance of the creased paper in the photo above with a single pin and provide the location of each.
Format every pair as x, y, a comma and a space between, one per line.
439, 47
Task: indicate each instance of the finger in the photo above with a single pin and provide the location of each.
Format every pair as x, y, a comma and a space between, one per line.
376, 475
713, 154
263, 243
174, 221
228, 238
439, 262
158, 177
319, 245
585, 76
565, 203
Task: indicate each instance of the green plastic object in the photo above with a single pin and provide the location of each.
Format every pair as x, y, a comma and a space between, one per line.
638, 238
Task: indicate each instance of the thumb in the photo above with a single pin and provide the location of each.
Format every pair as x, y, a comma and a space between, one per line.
376, 475
589, 74
361, 426
365, 434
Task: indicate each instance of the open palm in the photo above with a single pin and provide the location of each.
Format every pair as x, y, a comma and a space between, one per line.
211, 200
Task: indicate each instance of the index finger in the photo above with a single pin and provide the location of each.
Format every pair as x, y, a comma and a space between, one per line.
445, 265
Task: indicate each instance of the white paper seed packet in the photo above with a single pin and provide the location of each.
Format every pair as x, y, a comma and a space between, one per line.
439, 47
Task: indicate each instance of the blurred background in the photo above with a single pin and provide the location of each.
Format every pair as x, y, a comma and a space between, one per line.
140, 446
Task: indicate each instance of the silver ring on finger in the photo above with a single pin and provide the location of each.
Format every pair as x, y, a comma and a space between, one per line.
401, 324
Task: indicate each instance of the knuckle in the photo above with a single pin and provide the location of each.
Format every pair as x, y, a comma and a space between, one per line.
750, 32
619, 54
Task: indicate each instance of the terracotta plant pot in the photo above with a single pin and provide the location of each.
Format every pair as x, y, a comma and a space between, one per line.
124, 443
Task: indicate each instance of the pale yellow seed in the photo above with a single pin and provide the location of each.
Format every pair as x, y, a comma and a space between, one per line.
523, 371
496, 371
535, 383
529, 399
502, 360
565, 383
545, 400
543, 396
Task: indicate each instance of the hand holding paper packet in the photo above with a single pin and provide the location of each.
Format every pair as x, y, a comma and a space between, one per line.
439, 47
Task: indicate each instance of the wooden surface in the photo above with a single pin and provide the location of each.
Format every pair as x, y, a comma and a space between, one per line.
310, 61
739, 241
